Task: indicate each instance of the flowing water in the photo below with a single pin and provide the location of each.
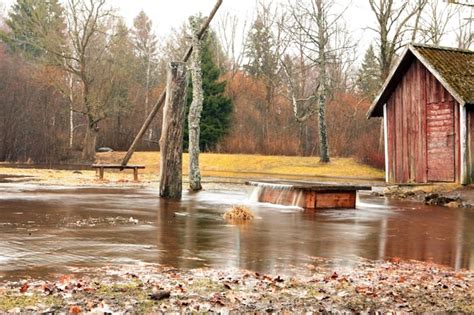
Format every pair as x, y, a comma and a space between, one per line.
44, 231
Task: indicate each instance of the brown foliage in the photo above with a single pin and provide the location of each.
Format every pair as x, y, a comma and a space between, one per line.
350, 133
34, 120
32, 116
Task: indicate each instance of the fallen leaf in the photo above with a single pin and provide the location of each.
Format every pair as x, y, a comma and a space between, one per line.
74, 309
24, 287
64, 279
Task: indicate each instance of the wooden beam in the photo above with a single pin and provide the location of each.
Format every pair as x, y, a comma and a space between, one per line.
162, 97
385, 140
463, 139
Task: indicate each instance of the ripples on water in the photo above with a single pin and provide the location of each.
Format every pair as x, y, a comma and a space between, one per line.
40, 234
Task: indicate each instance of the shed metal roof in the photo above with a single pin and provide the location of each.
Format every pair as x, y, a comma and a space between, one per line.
454, 68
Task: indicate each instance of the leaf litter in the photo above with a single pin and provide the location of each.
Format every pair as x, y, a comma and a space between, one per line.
388, 286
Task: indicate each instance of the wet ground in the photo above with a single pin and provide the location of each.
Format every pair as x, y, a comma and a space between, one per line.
47, 231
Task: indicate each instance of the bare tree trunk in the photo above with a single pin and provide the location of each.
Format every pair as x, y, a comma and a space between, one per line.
71, 110
323, 136
194, 117
171, 142
89, 144
147, 96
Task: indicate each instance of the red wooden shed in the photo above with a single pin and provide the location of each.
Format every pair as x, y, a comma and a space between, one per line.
427, 104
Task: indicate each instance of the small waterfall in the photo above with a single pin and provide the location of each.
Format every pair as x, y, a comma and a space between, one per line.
282, 194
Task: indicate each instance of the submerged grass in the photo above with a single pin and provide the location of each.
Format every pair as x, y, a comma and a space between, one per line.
239, 213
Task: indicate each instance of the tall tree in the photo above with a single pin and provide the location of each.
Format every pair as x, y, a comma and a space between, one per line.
434, 23
325, 40
391, 28
35, 25
117, 77
145, 42
263, 50
464, 31
88, 36
195, 109
217, 107
89, 41
368, 78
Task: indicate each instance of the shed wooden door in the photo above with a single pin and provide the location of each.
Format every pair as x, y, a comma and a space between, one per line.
440, 141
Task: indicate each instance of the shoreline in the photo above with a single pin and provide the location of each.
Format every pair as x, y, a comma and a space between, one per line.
385, 286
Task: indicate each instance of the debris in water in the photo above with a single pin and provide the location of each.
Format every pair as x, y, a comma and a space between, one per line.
239, 213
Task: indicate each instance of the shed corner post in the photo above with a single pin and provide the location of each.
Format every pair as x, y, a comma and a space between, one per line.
463, 144
385, 141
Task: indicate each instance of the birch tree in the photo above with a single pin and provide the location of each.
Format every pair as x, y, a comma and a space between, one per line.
324, 39
145, 42
195, 109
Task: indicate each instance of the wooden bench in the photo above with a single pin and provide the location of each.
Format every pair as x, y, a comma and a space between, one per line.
102, 167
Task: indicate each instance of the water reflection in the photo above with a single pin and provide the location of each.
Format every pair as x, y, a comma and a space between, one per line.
39, 233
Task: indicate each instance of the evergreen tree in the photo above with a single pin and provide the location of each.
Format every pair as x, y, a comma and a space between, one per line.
369, 75
260, 51
217, 108
36, 26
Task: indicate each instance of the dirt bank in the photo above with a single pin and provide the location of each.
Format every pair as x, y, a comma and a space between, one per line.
447, 195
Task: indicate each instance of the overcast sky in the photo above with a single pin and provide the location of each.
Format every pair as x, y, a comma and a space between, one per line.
167, 14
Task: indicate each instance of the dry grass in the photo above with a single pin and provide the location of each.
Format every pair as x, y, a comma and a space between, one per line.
239, 213
237, 166
244, 165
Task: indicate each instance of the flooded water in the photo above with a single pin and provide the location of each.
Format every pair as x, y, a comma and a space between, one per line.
45, 231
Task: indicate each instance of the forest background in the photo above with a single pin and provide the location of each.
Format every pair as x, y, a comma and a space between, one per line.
75, 76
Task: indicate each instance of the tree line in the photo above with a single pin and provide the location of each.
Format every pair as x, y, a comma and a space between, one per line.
75, 77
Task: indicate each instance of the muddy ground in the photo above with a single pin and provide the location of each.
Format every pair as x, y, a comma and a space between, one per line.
391, 286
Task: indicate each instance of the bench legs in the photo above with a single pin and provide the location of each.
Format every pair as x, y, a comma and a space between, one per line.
100, 172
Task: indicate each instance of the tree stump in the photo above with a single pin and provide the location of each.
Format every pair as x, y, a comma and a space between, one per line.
171, 142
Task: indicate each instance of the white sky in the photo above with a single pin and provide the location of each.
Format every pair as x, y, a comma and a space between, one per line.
167, 14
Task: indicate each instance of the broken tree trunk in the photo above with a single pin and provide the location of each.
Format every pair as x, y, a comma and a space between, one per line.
162, 97
195, 110
171, 142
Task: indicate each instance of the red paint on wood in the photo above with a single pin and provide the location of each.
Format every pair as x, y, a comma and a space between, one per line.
423, 130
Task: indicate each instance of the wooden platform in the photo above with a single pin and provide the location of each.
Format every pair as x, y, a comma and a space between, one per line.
308, 195
102, 167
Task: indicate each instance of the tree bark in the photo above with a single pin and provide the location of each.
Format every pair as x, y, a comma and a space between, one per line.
194, 117
323, 136
89, 144
171, 142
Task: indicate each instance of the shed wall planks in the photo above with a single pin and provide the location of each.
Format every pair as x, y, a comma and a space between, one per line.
423, 130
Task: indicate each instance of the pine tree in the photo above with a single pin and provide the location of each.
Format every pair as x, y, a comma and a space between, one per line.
260, 51
35, 27
369, 75
217, 108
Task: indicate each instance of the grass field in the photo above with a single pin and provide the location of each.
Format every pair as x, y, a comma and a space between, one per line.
235, 166
240, 165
